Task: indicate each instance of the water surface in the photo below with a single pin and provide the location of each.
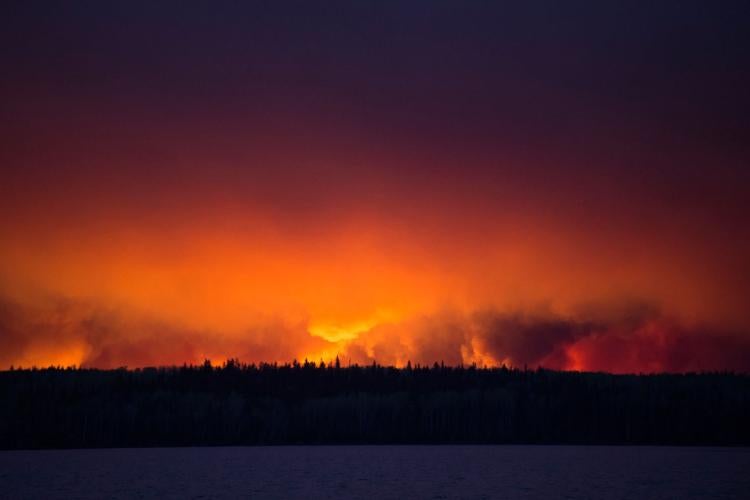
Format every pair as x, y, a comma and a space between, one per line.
600, 472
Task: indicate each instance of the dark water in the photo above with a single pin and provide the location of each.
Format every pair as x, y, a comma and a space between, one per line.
379, 472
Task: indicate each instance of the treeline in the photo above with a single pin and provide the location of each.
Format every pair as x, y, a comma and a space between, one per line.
241, 404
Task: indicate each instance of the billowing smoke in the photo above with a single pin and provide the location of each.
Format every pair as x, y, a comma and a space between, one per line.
630, 338
626, 338
64, 332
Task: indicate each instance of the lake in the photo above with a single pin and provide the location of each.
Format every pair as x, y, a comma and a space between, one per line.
596, 472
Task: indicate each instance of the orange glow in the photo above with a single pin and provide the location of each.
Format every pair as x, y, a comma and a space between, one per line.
340, 291
510, 187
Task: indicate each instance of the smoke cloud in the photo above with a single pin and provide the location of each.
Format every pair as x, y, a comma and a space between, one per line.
629, 338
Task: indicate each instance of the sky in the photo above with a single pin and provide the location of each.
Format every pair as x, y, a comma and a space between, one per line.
557, 184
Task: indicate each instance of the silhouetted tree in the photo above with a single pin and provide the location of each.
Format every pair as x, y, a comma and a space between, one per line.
240, 403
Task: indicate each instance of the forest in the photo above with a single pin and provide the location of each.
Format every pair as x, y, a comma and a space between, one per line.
318, 403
